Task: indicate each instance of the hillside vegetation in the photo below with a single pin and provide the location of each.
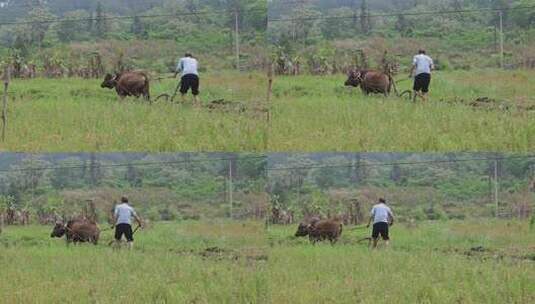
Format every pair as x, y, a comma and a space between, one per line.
161, 187
130, 34
417, 186
325, 35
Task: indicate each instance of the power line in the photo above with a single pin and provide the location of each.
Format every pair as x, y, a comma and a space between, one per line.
145, 3
105, 18
278, 4
398, 163
404, 14
131, 164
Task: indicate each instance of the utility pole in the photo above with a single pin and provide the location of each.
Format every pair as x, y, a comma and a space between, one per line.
354, 9
7, 79
496, 187
32, 176
230, 188
237, 37
501, 40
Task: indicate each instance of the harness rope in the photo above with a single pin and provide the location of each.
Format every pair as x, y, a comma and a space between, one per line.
175, 93
393, 83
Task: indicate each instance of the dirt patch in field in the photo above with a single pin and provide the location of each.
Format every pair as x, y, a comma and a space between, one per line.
218, 253
223, 105
485, 253
291, 240
492, 104
227, 106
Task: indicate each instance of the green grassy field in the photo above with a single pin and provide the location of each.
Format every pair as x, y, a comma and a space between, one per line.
51, 115
171, 263
308, 114
432, 263
482, 261
317, 113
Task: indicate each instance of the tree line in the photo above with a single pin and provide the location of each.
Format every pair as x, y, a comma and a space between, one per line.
167, 187
317, 30
203, 26
331, 184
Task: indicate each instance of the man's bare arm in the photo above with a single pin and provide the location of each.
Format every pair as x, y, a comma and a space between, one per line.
178, 68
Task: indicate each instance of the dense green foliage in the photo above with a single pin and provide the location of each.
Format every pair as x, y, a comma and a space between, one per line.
167, 186
438, 190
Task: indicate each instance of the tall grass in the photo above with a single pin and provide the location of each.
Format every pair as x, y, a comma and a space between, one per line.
166, 266
77, 115
319, 114
433, 263
483, 261
308, 114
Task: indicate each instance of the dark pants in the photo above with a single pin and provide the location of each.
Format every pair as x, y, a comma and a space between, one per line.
190, 81
126, 230
422, 82
380, 229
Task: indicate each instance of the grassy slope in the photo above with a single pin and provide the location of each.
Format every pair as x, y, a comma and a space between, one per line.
426, 264
319, 114
37, 269
77, 115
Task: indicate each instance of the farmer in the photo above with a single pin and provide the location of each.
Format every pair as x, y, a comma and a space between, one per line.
187, 67
382, 217
422, 65
123, 222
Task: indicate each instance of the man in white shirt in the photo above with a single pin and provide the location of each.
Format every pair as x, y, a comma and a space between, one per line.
124, 213
188, 69
382, 217
422, 65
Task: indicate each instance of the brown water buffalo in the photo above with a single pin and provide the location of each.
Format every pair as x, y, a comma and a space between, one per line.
370, 81
320, 230
128, 84
77, 231
305, 225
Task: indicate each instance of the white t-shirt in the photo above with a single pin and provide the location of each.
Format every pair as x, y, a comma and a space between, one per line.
381, 213
188, 65
124, 214
423, 64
